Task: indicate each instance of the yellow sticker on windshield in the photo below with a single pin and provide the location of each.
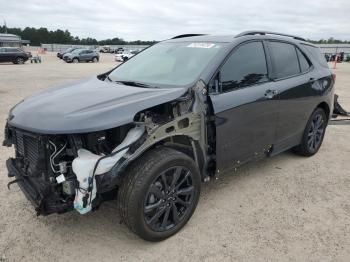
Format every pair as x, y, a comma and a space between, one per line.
201, 45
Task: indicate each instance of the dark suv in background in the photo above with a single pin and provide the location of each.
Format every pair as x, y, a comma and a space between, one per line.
14, 55
69, 50
177, 113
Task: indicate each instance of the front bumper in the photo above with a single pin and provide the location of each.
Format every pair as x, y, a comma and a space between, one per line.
40, 195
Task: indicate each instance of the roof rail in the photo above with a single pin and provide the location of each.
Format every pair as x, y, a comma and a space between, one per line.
186, 35
268, 33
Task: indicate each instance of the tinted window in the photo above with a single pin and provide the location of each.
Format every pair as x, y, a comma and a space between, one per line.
12, 50
285, 60
2, 50
316, 54
304, 63
246, 66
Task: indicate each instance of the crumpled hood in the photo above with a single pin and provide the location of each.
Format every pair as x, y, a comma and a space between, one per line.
86, 106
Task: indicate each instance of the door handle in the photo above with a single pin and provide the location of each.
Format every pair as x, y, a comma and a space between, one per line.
270, 93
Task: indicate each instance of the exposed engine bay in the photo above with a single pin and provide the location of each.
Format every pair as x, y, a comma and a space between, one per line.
72, 171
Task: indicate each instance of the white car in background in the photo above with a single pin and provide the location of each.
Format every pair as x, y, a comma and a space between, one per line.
125, 55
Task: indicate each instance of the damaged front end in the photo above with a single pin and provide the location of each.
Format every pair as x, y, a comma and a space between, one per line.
62, 172
49, 168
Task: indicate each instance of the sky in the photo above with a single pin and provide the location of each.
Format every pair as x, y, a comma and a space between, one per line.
163, 19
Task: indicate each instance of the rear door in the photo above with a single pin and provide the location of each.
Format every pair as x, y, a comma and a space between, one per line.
83, 55
297, 85
89, 55
244, 105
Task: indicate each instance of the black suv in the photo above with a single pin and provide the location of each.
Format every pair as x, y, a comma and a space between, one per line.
150, 130
14, 55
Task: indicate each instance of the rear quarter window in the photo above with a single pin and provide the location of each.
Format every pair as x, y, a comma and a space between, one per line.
316, 54
304, 61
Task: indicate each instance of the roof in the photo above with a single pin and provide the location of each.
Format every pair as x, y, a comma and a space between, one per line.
10, 38
232, 38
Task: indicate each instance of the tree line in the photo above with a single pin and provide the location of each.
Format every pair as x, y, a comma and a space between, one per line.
330, 40
42, 35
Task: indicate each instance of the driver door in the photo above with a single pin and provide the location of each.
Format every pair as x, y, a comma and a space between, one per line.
245, 107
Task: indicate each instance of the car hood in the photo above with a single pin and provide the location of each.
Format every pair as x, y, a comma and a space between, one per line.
86, 106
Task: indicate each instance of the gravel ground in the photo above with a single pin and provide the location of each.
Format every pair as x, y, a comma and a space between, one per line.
285, 208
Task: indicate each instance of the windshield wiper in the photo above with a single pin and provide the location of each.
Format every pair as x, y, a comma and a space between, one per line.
133, 83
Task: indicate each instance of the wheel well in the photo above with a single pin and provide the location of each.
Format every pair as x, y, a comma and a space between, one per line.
184, 144
325, 107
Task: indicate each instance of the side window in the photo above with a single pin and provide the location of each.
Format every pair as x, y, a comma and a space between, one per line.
304, 62
246, 66
2, 50
285, 60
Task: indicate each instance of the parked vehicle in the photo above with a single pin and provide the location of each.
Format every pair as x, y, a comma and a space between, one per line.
69, 50
150, 130
14, 55
119, 50
82, 55
105, 49
125, 55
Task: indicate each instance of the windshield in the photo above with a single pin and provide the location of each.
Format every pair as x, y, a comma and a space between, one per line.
167, 64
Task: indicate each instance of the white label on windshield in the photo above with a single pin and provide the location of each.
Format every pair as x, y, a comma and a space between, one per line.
201, 45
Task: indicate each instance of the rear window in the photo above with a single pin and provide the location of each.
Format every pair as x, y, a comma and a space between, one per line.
285, 60
316, 54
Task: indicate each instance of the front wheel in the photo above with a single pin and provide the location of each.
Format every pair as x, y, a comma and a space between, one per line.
95, 60
159, 193
313, 134
19, 60
75, 60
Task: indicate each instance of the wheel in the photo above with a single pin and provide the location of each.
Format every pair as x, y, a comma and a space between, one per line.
75, 60
19, 60
95, 60
159, 193
313, 134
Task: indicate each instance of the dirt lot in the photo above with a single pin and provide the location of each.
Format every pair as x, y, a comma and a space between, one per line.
285, 208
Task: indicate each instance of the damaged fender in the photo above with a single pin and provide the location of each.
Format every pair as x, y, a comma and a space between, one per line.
87, 165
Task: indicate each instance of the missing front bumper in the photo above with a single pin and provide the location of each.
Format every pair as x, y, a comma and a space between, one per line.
41, 197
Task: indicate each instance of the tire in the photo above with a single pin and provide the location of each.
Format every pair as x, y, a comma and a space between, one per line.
94, 60
75, 60
19, 60
313, 134
144, 202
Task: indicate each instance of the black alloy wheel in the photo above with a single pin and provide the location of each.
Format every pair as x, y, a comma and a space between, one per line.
159, 193
169, 198
315, 133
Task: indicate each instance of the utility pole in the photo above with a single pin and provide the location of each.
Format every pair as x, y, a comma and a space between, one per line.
5, 26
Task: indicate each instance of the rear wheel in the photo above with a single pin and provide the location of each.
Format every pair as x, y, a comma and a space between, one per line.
159, 193
313, 134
